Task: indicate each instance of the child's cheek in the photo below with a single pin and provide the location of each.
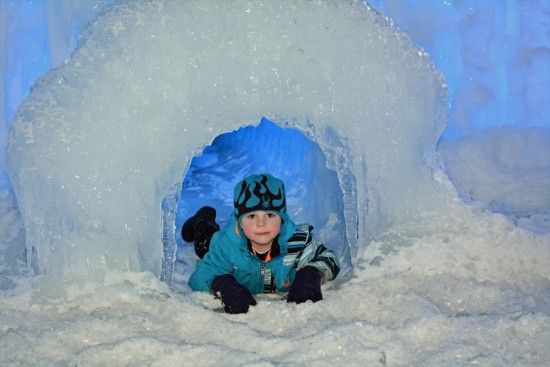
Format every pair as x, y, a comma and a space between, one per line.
248, 230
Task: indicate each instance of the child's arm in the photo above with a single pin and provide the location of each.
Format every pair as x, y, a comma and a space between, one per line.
212, 265
318, 256
213, 274
314, 254
314, 264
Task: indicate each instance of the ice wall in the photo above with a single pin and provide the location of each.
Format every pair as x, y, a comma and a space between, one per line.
103, 142
35, 36
495, 56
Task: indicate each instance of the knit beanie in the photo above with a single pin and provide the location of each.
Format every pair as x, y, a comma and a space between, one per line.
259, 192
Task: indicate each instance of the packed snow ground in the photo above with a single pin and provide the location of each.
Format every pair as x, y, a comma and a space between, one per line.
401, 320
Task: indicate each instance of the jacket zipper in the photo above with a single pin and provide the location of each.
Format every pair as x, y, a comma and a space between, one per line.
267, 279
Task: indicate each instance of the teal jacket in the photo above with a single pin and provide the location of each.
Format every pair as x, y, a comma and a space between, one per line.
229, 254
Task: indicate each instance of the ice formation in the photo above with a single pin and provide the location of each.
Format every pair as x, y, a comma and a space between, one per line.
98, 151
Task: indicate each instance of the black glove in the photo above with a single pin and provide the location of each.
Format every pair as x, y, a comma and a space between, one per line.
236, 298
306, 286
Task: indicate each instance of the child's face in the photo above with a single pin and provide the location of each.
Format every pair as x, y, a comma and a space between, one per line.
261, 228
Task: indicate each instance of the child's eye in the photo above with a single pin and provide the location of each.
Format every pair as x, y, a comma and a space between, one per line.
270, 215
250, 216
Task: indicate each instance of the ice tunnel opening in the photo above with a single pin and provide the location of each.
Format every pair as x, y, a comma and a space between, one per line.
286, 153
128, 112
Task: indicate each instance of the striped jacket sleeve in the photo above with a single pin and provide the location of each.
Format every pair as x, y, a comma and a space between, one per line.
309, 252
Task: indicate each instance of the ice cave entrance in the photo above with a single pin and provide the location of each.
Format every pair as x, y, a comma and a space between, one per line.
314, 194
141, 96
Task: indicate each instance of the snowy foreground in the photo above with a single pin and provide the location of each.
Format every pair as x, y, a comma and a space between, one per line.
477, 301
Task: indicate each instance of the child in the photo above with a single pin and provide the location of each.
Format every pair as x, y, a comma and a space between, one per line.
260, 250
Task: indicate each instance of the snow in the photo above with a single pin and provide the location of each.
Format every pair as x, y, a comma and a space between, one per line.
449, 308
450, 267
516, 166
